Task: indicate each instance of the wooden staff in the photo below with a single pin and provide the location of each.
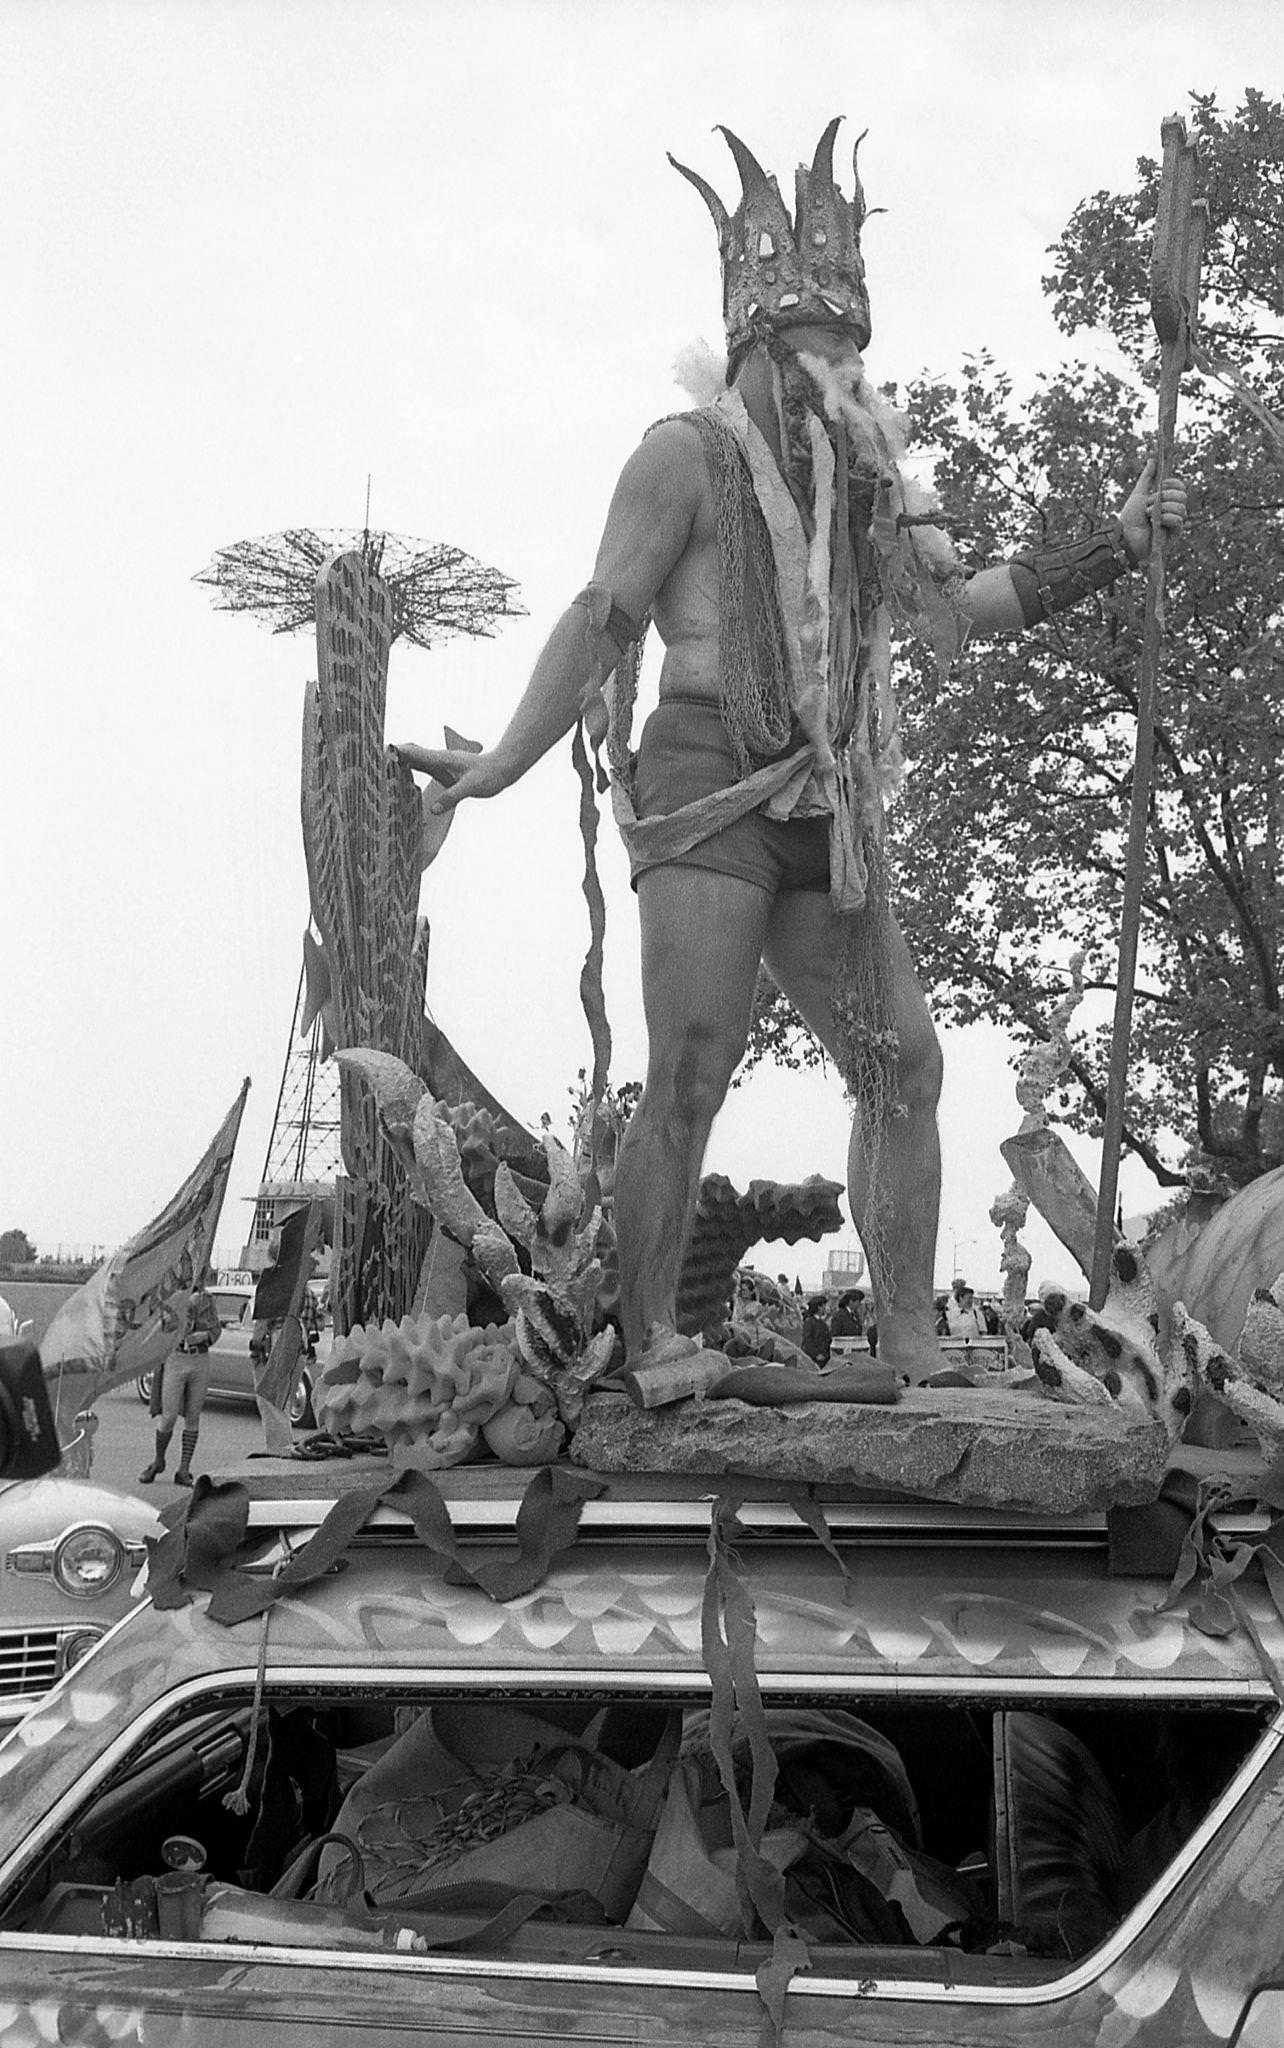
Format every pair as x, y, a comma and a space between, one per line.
1174, 299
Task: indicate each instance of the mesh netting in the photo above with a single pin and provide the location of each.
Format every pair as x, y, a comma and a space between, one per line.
753, 663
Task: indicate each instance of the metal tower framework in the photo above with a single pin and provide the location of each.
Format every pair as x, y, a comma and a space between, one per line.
303, 1154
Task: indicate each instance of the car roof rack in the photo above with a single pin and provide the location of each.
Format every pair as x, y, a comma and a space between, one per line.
484, 1499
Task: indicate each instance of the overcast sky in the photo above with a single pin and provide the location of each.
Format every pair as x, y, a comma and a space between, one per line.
255, 250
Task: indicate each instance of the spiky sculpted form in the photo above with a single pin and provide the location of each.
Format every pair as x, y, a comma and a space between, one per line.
1252, 1383
778, 271
1119, 1355
1125, 1355
427, 1387
421, 1134
554, 1305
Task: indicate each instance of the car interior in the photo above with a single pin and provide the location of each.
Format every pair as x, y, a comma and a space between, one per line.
995, 1841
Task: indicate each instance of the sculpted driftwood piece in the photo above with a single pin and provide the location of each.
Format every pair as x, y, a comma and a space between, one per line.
362, 821
368, 835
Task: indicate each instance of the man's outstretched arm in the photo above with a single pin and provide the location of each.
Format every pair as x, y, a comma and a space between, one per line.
647, 530
993, 599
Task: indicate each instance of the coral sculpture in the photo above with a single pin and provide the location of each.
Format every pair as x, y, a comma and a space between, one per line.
1120, 1354
727, 1223
555, 1304
427, 1388
1040, 1071
1251, 1383
423, 1139
1136, 1356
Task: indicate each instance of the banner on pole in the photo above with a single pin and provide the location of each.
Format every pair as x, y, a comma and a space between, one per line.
128, 1317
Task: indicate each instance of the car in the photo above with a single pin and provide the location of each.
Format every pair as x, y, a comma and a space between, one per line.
70, 1553
1018, 1798
232, 1362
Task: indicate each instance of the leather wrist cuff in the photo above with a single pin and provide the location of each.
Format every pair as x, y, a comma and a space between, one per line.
1049, 580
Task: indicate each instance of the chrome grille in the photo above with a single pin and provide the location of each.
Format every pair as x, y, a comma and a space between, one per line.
29, 1660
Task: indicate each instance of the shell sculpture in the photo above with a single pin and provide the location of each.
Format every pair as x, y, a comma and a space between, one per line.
428, 1388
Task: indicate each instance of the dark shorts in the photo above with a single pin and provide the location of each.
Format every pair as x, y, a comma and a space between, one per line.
685, 753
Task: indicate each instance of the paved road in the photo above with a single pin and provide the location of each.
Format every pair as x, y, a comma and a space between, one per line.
125, 1439
124, 1442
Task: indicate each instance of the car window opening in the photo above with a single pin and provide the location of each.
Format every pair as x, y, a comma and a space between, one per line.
1013, 1839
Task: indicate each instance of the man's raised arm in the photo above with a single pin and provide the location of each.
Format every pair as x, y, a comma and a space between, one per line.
647, 530
1014, 595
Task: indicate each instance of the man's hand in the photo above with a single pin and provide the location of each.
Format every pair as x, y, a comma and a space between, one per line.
460, 773
1135, 518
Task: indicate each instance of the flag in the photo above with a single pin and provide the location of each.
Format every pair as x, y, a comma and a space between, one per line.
274, 1296
278, 1298
128, 1317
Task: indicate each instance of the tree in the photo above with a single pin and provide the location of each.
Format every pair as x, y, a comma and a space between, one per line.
16, 1248
1009, 834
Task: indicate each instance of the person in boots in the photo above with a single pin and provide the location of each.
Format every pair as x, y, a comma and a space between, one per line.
180, 1387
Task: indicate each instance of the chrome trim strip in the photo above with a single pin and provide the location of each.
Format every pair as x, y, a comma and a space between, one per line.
894, 1519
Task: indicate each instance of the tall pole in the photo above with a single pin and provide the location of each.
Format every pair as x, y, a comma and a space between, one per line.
1174, 299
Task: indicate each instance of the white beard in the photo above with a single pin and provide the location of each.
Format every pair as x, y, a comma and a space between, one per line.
700, 371
882, 433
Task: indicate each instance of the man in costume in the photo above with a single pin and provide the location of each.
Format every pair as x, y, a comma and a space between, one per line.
773, 542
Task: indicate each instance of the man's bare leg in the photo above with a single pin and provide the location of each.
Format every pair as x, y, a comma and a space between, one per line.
702, 936
801, 949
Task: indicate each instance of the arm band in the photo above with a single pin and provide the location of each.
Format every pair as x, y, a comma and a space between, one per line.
605, 616
1049, 580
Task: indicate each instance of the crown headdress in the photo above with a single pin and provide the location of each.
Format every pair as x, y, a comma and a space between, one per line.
777, 271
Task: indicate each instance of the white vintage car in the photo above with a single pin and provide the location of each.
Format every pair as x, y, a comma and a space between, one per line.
70, 1552
459, 1783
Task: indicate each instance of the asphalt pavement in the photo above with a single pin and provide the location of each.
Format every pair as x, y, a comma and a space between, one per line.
125, 1440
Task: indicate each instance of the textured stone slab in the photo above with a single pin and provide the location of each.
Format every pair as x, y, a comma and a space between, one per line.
979, 1447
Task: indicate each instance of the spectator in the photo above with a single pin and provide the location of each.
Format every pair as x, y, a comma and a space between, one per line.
963, 1317
848, 1319
179, 1388
816, 1340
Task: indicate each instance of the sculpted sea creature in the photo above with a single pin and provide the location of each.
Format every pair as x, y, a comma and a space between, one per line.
422, 1136
554, 1305
427, 1387
1133, 1355
1120, 1354
1251, 1383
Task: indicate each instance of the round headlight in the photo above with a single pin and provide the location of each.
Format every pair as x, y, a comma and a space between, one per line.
88, 1561
77, 1643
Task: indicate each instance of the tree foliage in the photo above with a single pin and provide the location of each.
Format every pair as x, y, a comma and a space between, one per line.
16, 1248
1009, 835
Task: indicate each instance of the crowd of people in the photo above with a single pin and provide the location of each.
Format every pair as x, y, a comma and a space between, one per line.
810, 1321
815, 1321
